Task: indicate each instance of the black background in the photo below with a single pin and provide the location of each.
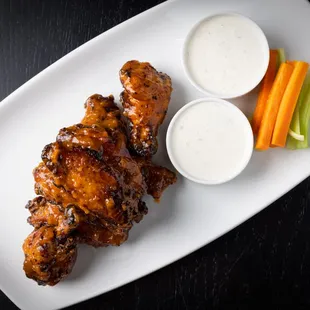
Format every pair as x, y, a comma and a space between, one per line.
265, 261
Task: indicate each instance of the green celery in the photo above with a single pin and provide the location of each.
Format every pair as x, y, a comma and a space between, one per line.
281, 56
304, 115
291, 143
295, 123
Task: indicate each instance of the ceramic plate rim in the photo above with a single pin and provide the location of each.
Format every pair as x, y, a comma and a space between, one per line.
54, 67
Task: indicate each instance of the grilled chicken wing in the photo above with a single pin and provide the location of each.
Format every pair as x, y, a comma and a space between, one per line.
156, 178
46, 213
49, 257
90, 191
86, 228
145, 100
90, 186
50, 250
90, 167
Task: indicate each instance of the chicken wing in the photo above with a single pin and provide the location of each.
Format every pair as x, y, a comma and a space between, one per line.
90, 189
88, 174
156, 178
86, 228
49, 257
145, 100
90, 167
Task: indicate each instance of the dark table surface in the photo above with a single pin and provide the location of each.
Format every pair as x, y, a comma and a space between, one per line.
265, 261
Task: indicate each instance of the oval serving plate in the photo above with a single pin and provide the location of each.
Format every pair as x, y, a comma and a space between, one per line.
190, 215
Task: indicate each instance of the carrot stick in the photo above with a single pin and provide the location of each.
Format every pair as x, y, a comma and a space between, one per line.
272, 106
264, 91
288, 103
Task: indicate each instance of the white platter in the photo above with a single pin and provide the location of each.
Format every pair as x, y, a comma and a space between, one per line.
190, 215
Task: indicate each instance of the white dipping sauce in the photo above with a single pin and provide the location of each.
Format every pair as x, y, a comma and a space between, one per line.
226, 55
210, 141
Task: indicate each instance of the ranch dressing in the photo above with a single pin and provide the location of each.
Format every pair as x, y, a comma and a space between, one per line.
227, 55
210, 141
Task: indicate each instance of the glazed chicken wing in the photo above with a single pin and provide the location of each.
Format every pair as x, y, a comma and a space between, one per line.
46, 213
156, 178
86, 228
49, 257
51, 249
91, 168
145, 100
90, 187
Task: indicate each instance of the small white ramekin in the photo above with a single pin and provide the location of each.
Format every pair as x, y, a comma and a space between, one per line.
209, 92
248, 143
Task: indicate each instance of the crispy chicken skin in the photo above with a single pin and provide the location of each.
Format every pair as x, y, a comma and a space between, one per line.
50, 250
71, 220
90, 191
145, 101
156, 178
89, 170
44, 212
110, 192
49, 257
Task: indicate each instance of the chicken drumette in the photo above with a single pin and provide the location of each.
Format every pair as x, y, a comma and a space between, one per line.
50, 250
145, 100
90, 191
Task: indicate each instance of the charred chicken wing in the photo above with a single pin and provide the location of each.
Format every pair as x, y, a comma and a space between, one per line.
90, 191
145, 100
49, 257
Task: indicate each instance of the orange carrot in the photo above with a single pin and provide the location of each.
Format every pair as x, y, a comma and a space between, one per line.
272, 106
264, 91
288, 103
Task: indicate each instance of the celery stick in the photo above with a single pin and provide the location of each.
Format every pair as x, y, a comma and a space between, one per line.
291, 143
304, 115
295, 123
281, 55
296, 136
